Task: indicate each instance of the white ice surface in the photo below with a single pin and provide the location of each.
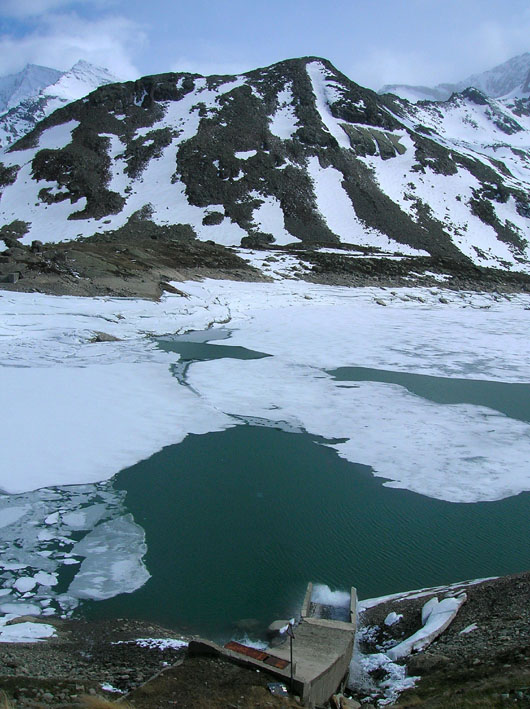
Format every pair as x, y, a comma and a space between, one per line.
24, 632
57, 381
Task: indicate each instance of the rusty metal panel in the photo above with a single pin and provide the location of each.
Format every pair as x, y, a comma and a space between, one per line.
245, 650
276, 662
257, 655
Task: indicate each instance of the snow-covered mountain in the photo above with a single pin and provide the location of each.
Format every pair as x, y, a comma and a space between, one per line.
510, 79
36, 91
27, 83
295, 153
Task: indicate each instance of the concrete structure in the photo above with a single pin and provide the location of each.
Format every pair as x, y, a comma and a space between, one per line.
322, 651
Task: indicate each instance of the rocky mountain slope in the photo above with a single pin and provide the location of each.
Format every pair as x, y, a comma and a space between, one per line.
508, 79
295, 155
36, 91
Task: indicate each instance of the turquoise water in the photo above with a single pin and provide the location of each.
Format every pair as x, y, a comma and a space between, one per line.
238, 521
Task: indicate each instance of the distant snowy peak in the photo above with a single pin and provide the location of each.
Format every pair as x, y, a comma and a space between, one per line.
502, 79
522, 91
27, 83
505, 80
35, 92
80, 81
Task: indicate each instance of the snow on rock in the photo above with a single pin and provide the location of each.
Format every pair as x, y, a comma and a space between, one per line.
269, 218
284, 122
156, 643
339, 214
395, 682
393, 618
245, 154
436, 617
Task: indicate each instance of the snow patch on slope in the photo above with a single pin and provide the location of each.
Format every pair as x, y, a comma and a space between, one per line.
284, 122
319, 80
269, 218
338, 212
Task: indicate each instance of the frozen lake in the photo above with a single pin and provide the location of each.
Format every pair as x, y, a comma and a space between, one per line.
297, 432
238, 521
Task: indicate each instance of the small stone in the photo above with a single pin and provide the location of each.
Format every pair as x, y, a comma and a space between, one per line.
349, 703
47, 697
92, 692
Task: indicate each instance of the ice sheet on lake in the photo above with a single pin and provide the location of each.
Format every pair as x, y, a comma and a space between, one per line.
458, 453
114, 403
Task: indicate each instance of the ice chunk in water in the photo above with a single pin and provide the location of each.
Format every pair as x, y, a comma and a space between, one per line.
113, 564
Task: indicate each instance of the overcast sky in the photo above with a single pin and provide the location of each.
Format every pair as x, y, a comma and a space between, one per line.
372, 41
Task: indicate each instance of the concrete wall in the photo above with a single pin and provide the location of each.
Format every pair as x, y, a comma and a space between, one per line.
320, 689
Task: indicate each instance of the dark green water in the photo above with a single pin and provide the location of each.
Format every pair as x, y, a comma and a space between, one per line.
237, 522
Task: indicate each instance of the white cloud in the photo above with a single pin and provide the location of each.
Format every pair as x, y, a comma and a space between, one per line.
60, 40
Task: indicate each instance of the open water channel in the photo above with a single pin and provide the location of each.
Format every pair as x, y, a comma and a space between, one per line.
238, 521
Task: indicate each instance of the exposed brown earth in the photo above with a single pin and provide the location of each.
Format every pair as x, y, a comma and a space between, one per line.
141, 269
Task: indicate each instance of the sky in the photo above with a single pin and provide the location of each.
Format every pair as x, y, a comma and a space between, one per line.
374, 42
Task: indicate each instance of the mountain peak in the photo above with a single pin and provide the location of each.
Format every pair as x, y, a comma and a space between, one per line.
14, 88
504, 80
36, 91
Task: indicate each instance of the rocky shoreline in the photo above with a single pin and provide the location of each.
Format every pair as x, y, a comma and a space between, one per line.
142, 265
482, 659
